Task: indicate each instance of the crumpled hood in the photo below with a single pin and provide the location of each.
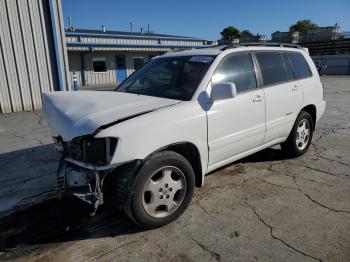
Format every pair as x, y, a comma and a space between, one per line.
72, 114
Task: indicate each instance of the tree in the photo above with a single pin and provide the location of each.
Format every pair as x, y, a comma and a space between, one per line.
303, 25
230, 33
246, 34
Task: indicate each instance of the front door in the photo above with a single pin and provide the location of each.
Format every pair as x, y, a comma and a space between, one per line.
121, 68
237, 125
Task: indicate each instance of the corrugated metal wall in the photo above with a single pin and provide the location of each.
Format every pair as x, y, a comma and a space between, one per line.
30, 44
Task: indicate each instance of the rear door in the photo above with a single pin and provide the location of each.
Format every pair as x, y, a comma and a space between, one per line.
312, 90
283, 94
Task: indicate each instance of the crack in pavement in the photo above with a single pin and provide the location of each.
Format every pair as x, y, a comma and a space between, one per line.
273, 184
332, 160
204, 210
40, 122
317, 202
245, 203
320, 170
35, 139
304, 193
213, 254
277, 238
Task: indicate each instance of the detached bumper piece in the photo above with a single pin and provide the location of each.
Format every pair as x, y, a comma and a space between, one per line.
83, 182
83, 167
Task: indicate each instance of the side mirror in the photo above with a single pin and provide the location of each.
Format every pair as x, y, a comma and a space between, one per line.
224, 90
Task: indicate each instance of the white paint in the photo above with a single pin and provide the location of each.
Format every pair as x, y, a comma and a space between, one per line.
232, 128
73, 114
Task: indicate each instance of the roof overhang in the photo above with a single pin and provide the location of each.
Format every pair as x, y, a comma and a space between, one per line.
91, 46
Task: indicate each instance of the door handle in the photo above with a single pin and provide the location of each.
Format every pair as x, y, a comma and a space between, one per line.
258, 98
295, 88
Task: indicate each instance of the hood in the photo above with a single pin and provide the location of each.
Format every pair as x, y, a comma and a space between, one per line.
72, 114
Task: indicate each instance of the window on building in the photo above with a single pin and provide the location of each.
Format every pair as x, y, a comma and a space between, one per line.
138, 62
300, 67
236, 68
99, 64
271, 67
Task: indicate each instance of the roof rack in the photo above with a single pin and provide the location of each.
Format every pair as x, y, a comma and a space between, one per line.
275, 44
211, 46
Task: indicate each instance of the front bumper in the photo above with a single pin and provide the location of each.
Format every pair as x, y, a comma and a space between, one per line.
82, 180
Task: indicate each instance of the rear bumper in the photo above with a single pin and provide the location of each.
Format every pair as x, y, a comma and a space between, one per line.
320, 108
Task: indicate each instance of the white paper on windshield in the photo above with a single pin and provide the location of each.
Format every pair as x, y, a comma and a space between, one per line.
201, 59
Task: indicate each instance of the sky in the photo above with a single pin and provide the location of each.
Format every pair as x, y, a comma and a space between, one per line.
207, 18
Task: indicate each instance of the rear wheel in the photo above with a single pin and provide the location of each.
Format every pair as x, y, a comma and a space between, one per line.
299, 139
161, 190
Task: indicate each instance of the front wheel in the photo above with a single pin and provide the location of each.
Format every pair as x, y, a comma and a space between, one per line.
299, 139
161, 191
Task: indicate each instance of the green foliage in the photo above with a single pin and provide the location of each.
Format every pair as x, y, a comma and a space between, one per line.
303, 25
246, 33
230, 33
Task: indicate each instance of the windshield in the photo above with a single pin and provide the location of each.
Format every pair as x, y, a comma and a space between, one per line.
168, 77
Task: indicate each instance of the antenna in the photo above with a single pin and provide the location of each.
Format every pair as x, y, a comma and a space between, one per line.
69, 21
130, 27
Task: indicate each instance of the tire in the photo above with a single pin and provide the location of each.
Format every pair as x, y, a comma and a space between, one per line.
291, 146
148, 194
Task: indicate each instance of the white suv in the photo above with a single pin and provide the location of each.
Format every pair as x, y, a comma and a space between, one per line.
182, 115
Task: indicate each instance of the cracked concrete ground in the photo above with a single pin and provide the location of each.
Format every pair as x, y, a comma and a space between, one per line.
264, 207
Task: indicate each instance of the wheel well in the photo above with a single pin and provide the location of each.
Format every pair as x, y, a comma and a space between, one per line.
311, 109
191, 153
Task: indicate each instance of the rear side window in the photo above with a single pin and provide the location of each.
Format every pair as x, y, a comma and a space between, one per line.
288, 66
237, 68
300, 67
271, 67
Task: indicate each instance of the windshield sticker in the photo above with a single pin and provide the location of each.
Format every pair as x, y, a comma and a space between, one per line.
201, 59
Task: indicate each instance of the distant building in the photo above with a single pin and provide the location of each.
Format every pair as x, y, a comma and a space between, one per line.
106, 58
316, 35
254, 38
285, 37
325, 44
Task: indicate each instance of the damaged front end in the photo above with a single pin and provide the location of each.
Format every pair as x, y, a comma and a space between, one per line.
84, 165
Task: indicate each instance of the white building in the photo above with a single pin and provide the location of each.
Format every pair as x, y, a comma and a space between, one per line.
102, 58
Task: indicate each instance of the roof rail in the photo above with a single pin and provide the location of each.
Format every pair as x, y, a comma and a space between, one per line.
275, 44
211, 46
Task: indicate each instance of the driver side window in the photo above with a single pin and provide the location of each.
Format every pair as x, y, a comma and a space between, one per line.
237, 68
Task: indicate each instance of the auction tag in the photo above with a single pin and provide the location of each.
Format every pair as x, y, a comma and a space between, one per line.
201, 59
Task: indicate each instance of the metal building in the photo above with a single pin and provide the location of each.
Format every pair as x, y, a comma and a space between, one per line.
33, 56
101, 58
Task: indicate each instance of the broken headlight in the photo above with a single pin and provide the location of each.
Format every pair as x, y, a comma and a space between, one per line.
96, 151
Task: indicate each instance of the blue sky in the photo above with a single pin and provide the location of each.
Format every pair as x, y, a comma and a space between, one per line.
205, 19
